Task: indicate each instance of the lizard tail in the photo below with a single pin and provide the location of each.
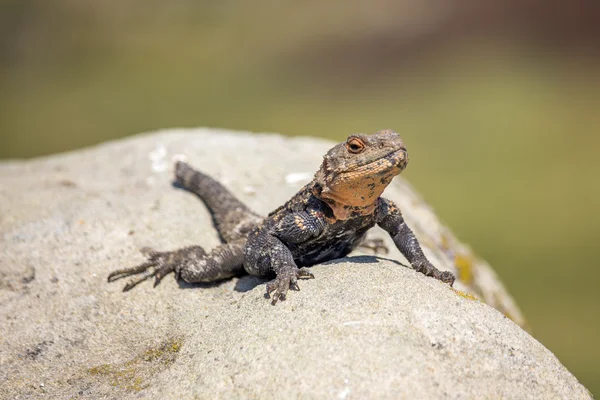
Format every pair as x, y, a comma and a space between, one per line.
228, 211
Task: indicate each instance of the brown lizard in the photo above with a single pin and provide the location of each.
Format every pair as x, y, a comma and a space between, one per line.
325, 220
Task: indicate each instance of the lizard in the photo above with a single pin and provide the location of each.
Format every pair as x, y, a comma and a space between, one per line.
325, 220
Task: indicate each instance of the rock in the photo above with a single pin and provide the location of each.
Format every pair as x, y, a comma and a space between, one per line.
366, 327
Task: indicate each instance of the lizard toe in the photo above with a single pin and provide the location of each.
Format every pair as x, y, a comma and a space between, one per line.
163, 271
277, 288
294, 283
158, 265
305, 273
147, 274
286, 279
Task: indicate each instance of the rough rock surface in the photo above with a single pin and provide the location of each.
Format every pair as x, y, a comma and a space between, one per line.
365, 327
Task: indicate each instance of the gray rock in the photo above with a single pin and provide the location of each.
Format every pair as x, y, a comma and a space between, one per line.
366, 327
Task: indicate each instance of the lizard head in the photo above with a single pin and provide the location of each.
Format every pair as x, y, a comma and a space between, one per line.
354, 173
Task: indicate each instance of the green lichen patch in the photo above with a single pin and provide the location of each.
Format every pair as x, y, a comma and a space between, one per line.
133, 375
465, 295
464, 264
100, 369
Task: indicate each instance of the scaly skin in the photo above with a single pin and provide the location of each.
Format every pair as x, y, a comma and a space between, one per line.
325, 220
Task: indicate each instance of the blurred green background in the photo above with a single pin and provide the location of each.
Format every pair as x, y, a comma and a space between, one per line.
499, 104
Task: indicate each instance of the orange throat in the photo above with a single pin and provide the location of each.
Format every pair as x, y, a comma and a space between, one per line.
349, 198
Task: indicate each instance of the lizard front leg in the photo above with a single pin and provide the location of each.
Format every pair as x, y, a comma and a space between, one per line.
275, 255
283, 264
192, 264
390, 219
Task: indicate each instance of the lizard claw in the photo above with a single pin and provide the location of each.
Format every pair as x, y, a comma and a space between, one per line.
286, 279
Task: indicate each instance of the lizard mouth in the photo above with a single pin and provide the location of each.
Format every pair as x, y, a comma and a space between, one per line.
396, 159
389, 165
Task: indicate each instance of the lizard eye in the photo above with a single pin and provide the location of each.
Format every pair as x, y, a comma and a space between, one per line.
355, 146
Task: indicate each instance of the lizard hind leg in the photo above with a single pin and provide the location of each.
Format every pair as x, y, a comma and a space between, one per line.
191, 264
159, 264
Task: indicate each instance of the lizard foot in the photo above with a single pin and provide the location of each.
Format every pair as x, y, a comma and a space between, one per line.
428, 269
158, 265
376, 245
446, 277
286, 279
